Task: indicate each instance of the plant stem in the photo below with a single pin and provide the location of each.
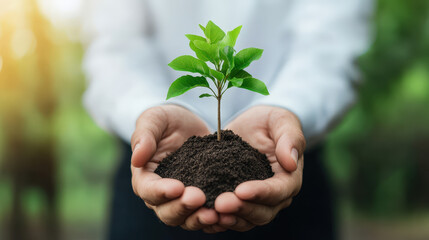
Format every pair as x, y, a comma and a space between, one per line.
219, 97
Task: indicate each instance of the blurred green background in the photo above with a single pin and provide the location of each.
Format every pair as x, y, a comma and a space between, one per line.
56, 164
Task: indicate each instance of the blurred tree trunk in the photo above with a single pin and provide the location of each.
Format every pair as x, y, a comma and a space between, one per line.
30, 159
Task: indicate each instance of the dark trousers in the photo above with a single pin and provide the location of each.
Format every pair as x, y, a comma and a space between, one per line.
309, 217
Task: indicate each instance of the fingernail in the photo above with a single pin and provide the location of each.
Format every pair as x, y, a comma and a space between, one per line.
137, 146
294, 154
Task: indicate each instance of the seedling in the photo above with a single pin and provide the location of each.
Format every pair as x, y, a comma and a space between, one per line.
228, 66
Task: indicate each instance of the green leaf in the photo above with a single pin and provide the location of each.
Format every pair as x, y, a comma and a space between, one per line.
211, 51
184, 84
227, 54
199, 53
236, 82
190, 64
205, 95
202, 28
255, 85
231, 37
213, 32
218, 75
193, 37
241, 74
246, 56
225, 68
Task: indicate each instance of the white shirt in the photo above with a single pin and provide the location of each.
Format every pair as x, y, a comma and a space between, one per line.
307, 64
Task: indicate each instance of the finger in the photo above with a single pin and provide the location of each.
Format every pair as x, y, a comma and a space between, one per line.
287, 152
254, 214
271, 191
227, 220
200, 219
150, 127
153, 189
242, 225
144, 149
285, 128
258, 214
175, 212
227, 202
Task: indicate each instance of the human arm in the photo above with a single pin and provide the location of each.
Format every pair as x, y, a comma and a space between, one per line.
317, 80
125, 83
122, 65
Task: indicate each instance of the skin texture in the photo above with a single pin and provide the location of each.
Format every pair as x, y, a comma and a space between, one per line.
273, 131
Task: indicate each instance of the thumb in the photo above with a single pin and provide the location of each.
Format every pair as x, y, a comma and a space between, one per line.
289, 139
149, 129
288, 150
143, 149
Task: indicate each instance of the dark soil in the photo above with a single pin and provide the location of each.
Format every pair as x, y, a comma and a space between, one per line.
215, 166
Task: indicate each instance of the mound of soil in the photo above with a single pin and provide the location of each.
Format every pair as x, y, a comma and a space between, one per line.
215, 166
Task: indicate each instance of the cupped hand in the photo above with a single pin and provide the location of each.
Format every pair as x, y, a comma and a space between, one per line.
160, 131
277, 133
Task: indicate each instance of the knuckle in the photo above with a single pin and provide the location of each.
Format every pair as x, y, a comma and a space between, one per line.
150, 112
299, 142
181, 210
302, 143
193, 224
156, 113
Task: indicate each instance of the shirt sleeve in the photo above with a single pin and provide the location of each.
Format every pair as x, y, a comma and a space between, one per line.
122, 66
317, 80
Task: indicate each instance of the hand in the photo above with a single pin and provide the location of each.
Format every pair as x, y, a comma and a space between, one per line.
277, 133
159, 131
